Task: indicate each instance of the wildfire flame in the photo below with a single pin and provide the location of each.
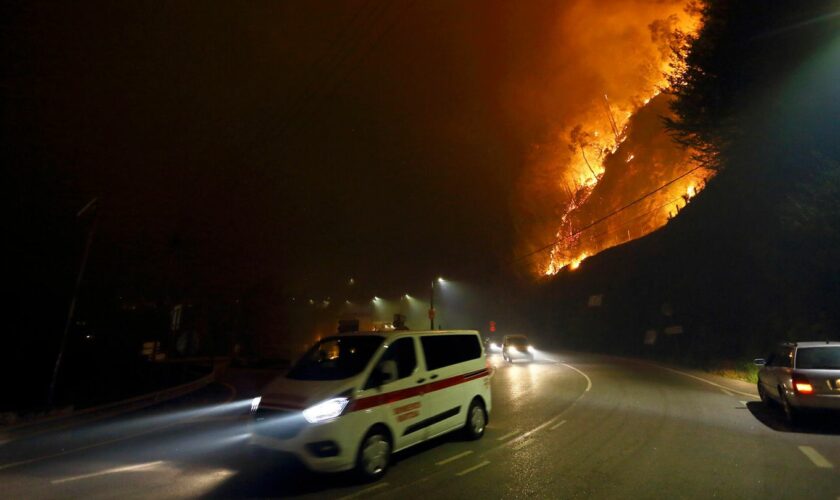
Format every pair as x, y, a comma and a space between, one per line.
620, 176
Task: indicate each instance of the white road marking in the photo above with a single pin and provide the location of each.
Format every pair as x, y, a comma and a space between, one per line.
726, 391
701, 379
816, 457
115, 470
558, 424
455, 457
473, 468
588, 380
535, 429
107, 441
509, 434
522, 444
365, 491
743, 403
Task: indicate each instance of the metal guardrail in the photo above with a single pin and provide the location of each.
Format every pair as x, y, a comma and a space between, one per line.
54, 422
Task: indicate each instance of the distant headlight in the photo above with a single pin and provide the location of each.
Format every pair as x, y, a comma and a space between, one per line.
255, 403
531, 349
326, 410
494, 345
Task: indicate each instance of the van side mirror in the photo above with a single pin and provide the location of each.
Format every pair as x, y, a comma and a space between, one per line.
760, 361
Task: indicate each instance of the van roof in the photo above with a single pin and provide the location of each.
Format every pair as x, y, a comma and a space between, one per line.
387, 333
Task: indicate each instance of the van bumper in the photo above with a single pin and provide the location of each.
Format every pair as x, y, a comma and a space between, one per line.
320, 447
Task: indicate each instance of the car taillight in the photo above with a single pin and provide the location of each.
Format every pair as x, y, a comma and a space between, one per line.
803, 387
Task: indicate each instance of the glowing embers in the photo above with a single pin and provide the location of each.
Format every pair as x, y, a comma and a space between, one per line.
577, 261
690, 192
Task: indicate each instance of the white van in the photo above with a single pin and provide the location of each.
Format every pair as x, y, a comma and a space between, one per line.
355, 398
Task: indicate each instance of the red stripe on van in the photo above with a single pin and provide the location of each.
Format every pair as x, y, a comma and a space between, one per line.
392, 397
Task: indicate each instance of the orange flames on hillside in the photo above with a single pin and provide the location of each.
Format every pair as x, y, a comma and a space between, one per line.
607, 170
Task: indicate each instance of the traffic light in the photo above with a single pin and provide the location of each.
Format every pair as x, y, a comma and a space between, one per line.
492, 326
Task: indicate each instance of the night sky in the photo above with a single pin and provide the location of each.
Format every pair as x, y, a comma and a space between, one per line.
297, 143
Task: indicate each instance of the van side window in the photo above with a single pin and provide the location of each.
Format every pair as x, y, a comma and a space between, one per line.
445, 350
398, 361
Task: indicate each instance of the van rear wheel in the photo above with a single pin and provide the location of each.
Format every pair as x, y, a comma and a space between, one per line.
476, 420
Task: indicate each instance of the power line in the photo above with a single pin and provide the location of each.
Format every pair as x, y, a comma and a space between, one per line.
609, 215
630, 221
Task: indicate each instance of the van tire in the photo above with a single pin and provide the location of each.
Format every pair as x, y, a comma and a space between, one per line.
374, 455
476, 420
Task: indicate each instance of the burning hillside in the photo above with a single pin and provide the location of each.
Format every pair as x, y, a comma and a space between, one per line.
605, 171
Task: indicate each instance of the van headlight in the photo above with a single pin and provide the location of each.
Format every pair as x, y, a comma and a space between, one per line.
325, 410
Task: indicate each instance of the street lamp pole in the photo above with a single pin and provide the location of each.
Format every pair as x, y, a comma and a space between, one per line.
432, 307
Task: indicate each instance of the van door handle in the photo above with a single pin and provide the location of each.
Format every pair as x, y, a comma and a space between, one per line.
433, 376
420, 380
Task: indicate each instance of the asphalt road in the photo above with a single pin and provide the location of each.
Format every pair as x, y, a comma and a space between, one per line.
569, 426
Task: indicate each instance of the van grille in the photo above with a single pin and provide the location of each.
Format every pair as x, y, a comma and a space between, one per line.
279, 424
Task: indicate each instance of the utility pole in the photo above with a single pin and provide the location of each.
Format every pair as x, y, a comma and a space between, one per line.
91, 205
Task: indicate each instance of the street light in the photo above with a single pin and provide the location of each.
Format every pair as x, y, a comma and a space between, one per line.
432, 302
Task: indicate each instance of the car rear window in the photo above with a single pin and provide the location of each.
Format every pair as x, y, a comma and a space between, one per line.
818, 358
446, 350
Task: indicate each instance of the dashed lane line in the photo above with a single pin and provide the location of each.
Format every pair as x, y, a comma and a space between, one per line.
558, 424
816, 457
509, 434
115, 470
473, 468
512, 441
521, 444
454, 457
726, 391
125, 437
365, 491
532, 431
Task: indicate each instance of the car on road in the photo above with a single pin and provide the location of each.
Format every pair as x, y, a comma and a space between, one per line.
517, 347
354, 399
801, 376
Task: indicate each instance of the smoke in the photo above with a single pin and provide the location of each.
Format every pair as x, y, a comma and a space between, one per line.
599, 144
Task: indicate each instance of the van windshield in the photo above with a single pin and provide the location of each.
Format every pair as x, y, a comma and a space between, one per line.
336, 358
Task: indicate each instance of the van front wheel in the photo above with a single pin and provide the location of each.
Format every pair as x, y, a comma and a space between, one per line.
374, 455
476, 420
